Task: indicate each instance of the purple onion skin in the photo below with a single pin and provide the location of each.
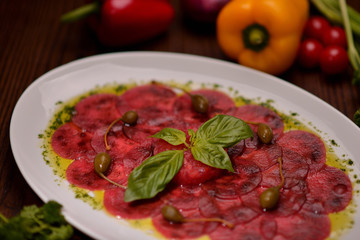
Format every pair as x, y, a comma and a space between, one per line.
202, 10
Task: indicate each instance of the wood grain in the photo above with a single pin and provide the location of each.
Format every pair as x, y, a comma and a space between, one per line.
33, 41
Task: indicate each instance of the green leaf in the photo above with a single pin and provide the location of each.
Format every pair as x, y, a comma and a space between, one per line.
151, 177
192, 135
46, 222
357, 117
224, 130
212, 155
172, 136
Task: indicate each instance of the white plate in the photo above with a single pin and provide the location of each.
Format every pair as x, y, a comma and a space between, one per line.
35, 107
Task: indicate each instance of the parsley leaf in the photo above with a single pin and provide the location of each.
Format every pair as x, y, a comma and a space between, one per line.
45, 222
357, 117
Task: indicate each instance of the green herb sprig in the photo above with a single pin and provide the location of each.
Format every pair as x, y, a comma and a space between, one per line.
357, 117
33, 222
206, 144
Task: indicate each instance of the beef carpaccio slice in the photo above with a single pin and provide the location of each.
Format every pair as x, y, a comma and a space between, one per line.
96, 111
71, 142
306, 144
311, 189
219, 103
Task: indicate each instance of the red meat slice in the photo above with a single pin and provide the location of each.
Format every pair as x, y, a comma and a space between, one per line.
195, 172
182, 197
246, 178
154, 119
192, 172
330, 190
265, 157
187, 230
250, 230
70, 142
81, 173
151, 95
306, 144
115, 205
120, 141
294, 168
96, 111
231, 210
290, 202
136, 156
303, 225
260, 114
218, 103
268, 227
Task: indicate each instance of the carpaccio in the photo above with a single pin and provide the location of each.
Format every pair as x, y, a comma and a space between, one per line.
311, 191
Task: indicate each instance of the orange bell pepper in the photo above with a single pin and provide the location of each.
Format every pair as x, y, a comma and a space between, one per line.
262, 34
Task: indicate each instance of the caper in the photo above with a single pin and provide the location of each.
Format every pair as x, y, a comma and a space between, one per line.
102, 162
130, 117
199, 103
265, 133
269, 198
172, 214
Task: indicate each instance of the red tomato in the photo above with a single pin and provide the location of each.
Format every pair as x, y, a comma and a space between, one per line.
315, 27
309, 53
333, 60
334, 36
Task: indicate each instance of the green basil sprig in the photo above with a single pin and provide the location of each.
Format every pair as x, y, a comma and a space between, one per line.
206, 144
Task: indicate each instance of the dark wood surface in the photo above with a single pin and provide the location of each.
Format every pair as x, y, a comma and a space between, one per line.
34, 41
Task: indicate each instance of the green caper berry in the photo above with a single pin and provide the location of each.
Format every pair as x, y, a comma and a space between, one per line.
102, 162
172, 214
265, 133
200, 103
130, 117
269, 198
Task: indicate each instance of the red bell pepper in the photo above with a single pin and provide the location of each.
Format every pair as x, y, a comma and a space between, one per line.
125, 22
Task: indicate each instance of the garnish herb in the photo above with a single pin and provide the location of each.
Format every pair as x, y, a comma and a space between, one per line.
152, 176
206, 145
352, 51
33, 222
171, 135
339, 12
357, 117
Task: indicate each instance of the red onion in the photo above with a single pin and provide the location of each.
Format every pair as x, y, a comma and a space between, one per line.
202, 10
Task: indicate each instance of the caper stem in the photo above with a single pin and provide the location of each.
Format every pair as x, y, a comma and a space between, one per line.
111, 181
253, 123
107, 146
223, 221
281, 173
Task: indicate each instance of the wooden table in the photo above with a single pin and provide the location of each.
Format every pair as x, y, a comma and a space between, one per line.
33, 41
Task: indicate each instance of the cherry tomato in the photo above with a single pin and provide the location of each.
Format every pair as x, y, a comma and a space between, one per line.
315, 27
333, 60
334, 36
309, 53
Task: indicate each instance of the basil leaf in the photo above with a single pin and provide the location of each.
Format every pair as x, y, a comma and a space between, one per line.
172, 136
212, 155
151, 177
224, 130
192, 135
